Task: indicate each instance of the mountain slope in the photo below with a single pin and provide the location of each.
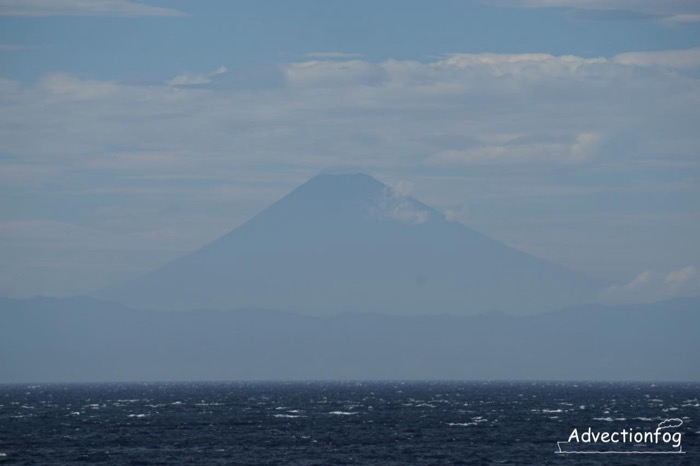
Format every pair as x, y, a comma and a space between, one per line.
347, 243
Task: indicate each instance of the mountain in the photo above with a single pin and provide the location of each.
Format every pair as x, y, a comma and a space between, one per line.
86, 340
348, 243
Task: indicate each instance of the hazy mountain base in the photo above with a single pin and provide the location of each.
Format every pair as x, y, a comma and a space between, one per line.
82, 339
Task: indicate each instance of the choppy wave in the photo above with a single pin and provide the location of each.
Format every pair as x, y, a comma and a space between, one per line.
392, 423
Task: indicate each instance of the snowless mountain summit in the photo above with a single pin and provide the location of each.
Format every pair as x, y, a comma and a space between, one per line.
349, 243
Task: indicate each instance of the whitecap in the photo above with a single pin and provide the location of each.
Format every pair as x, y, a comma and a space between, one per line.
606, 419
342, 413
286, 415
461, 424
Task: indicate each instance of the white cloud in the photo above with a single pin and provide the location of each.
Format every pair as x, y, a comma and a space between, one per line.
459, 214
399, 208
461, 110
581, 148
679, 278
639, 282
521, 64
650, 285
401, 188
63, 85
81, 8
331, 73
193, 79
678, 59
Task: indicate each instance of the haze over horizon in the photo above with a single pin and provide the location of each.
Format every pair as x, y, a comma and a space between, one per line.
134, 133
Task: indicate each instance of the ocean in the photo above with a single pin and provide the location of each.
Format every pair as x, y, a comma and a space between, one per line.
342, 423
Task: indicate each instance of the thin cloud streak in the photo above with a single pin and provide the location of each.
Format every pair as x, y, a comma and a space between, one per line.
119, 8
194, 79
667, 11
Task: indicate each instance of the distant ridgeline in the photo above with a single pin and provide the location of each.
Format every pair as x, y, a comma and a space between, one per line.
348, 243
84, 339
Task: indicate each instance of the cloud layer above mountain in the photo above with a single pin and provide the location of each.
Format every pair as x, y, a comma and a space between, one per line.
622, 124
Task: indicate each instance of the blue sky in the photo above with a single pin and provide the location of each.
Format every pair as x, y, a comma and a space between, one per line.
132, 132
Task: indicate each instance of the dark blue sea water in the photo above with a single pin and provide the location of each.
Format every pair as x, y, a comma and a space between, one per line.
337, 423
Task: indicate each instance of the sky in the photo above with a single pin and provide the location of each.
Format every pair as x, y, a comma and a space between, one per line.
132, 132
